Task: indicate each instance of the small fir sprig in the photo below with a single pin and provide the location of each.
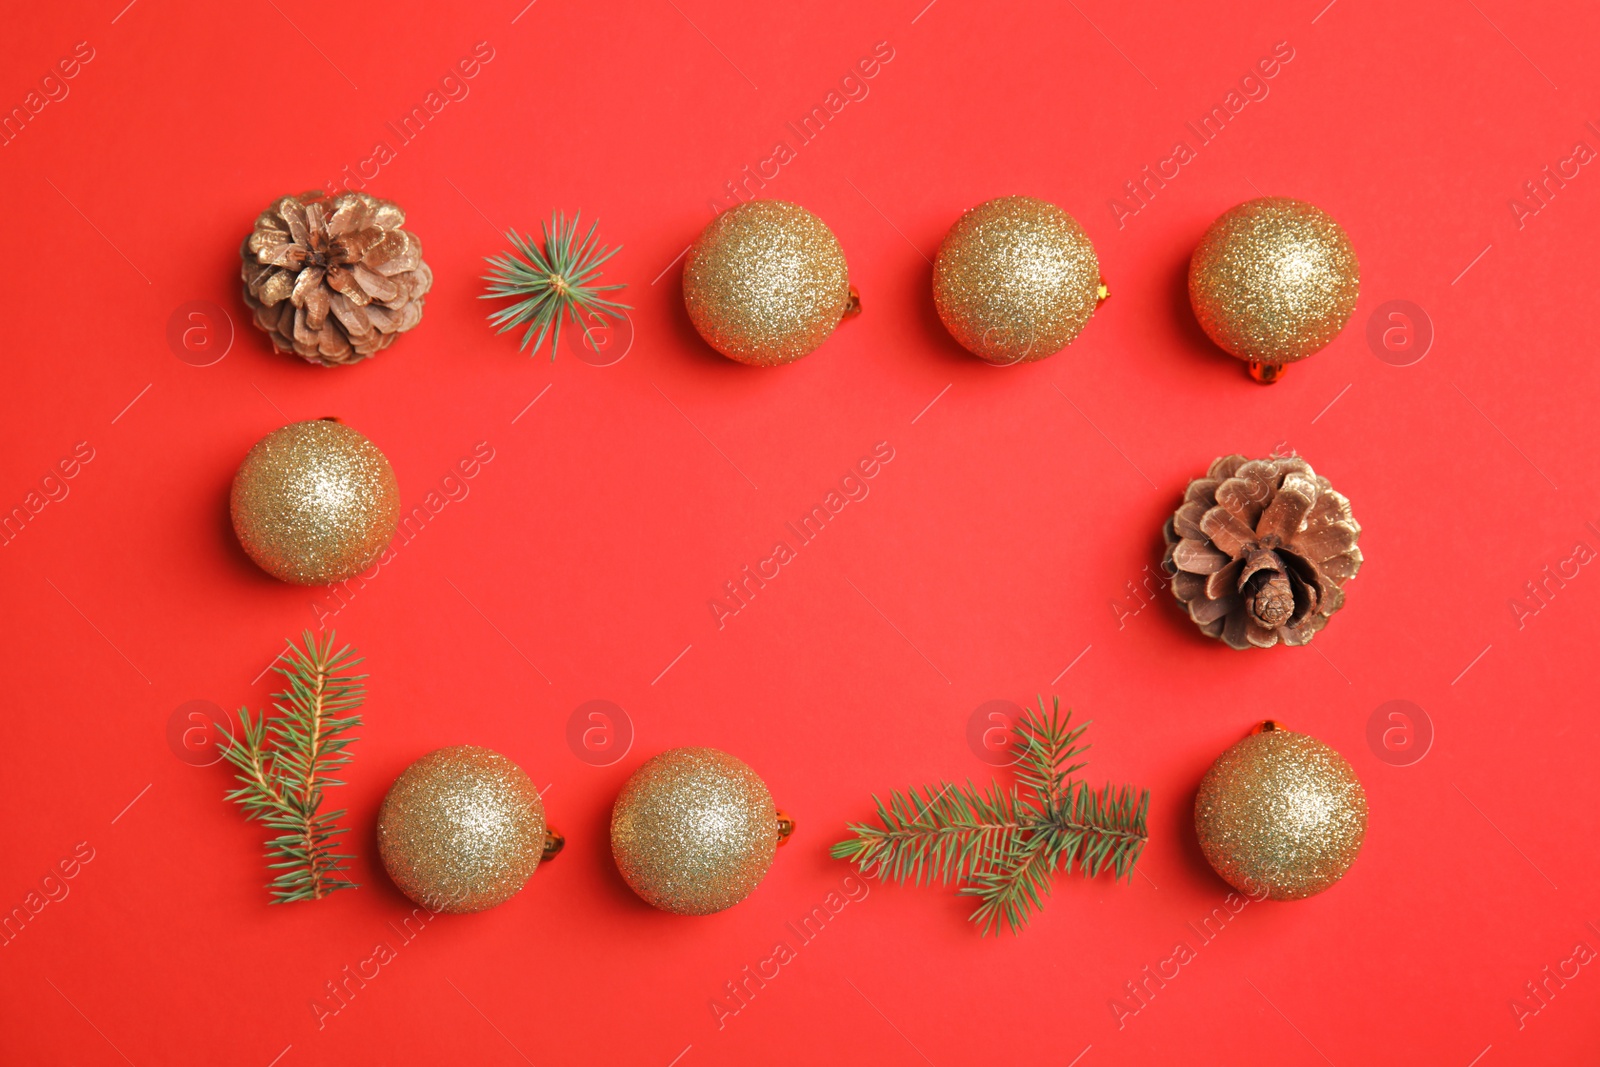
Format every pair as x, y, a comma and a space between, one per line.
285, 763
550, 282
1003, 846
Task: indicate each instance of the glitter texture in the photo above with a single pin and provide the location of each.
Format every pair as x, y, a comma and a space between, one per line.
1274, 280
694, 831
461, 830
314, 503
1281, 811
1015, 280
766, 283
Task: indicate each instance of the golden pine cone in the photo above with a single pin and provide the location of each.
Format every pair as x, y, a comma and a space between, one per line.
1260, 550
334, 279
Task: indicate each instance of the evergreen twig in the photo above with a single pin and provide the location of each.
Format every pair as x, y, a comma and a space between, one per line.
1002, 847
284, 764
550, 280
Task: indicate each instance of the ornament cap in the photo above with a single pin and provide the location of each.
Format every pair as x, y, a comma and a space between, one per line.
852, 306
554, 842
1265, 373
786, 827
1266, 726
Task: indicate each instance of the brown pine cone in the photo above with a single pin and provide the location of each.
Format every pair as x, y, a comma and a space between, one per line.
1260, 550
334, 279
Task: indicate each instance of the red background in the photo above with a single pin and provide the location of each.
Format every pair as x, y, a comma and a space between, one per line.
991, 554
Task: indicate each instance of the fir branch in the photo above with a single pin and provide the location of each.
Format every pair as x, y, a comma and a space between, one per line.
1049, 749
941, 836
1010, 888
284, 763
1003, 847
550, 281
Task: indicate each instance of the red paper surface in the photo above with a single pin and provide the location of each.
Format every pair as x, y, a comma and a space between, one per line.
991, 560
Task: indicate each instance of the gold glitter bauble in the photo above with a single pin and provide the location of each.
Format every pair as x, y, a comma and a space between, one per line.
314, 503
1015, 280
1281, 811
462, 829
1274, 280
694, 831
766, 283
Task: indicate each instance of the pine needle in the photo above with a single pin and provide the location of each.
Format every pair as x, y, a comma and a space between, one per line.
1003, 847
285, 763
551, 282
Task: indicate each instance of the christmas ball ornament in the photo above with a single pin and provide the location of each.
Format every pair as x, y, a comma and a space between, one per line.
1015, 280
1272, 281
333, 279
314, 502
766, 282
694, 831
1280, 812
1259, 551
462, 829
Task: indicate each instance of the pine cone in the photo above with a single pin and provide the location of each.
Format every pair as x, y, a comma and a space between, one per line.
1260, 550
334, 279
